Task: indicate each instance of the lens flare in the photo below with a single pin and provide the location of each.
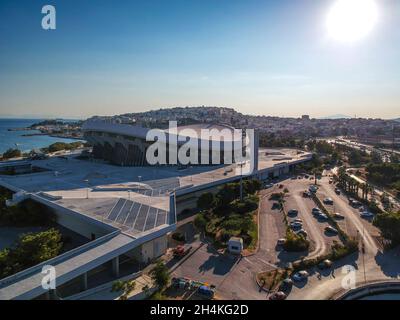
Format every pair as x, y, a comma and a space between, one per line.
351, 20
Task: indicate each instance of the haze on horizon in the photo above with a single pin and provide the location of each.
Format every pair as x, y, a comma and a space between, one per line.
262, 57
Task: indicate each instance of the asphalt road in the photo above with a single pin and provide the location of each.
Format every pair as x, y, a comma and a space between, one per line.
374, 265
355, 225
235, 279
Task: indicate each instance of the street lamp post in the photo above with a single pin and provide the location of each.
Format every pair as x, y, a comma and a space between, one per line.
241, 181
87, 188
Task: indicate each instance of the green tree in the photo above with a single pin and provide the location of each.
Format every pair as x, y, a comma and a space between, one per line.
12, 153
389, 225
376, 157
228, 193
206, 201
34, 248
200, 221
26, 213
5, 263
160, 275
30, 249
126, 287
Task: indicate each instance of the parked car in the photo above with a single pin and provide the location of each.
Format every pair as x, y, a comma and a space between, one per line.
328, 201
296, 225
322, 216
293, 212
182, 250
286, 284
367, 214
298, 220
331, 230
306, 194
269, 185
313, 188
278, 296
326, 264
303, 233
300, 276
316, 211
206, 291
337, 215
337, 191
281, 242
355, 203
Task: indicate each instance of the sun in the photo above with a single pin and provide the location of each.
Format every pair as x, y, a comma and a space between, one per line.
351, 20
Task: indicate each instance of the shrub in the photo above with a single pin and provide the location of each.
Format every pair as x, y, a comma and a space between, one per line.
12, 153
31, 249
160, 275
178, 236
295, 243
251, 186
389, 225
206, 201
249, 204
27, 213
200, 222
126, 287
231, 191
276, 196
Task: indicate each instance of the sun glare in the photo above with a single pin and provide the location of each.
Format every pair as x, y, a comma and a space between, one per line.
351, 20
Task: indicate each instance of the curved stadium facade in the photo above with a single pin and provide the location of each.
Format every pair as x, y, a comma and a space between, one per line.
126, 144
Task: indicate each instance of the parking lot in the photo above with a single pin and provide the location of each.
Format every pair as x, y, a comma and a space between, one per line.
353, 224
314, 225
206, 265
234, 278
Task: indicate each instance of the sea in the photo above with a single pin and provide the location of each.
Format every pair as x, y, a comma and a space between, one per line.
15, 139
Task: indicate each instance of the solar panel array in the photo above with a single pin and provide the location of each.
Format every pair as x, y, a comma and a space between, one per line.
136, 217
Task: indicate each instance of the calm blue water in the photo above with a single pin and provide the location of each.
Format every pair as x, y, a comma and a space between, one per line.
8, 139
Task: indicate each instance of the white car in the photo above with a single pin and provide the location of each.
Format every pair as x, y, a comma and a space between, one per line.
269, 185
300, 276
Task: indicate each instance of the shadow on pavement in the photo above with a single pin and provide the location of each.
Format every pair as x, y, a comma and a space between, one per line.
389, 262
220, 264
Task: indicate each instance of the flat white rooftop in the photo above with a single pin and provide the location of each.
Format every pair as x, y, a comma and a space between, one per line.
132, 199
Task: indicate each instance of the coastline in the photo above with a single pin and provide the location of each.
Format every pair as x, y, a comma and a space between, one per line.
19, 133
61, 136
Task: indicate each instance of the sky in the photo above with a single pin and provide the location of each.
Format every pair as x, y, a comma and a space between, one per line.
260, 57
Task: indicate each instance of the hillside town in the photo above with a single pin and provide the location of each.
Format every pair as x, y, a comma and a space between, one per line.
373, 131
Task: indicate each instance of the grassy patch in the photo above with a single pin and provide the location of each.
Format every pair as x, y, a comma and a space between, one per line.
271, 280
